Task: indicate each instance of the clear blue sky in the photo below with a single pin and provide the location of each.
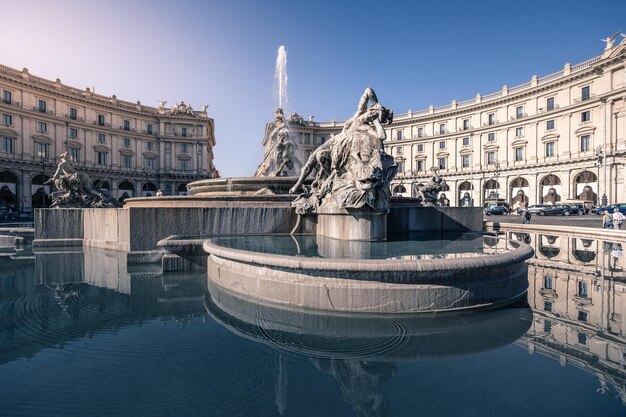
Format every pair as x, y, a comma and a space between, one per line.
223, 53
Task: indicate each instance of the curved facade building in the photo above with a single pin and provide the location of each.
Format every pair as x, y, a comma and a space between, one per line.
128, 149
554, 138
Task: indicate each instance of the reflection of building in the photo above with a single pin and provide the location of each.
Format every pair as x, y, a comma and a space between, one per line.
127, 148
562, 132
577, 290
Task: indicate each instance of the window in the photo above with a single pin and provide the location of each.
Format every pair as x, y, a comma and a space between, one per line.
150, 145
585, 93
491, 119
547, 306
466, 142
7, 145
41, 149
519, 132
307, 138
126, 125
547, 283
127, 161
74, 153
42, 106
585, 116
491, 158
7, 119
149, 129
491, 137
400, 166
101, 158
183, 132
442, 144
547, 326
420, 165
420, 132
420, 147
322, 139
442, 128
73, 113
399, 150
184, 147
149, 163
73, 133
183, 164
466, 125
42, 127
101, 138
399, 135
126, 143
550, 103
465, 161
519, 154
584, 143
549, 149
442, 163
100, 120
6, 97
519, 112
582, 316
550, 125
582, 338
582, 289
307, 154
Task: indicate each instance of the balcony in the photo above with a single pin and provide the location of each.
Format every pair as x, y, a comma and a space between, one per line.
96, 123
127, 128
519, 116
581, 99
542, 110
78, 119
492, 123
42, 110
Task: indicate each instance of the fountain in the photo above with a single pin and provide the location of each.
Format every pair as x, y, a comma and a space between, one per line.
371, 253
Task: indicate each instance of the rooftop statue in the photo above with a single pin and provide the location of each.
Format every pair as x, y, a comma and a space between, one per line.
352, 168
75, 189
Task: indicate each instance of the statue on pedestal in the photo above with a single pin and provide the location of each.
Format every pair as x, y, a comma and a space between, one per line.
352, 168
427, 193
75, 188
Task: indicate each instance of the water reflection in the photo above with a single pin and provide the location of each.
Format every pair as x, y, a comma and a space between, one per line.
576, 317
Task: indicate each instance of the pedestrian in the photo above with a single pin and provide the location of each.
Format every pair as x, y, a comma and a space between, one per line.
10, 212
526, 216
607, 220
618, 218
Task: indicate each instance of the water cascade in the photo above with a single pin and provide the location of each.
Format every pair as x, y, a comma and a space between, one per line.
280, 77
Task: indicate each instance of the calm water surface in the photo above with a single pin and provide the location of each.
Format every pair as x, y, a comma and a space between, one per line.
82, 333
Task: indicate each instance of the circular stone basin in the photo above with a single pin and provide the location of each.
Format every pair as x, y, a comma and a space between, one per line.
406, 274
242, 186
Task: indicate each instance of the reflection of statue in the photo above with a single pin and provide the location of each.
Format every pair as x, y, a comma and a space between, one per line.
361, 383
588, 194
466, 200
520, 200
428, 192
75, 188
443, 200
552, 196
352, 168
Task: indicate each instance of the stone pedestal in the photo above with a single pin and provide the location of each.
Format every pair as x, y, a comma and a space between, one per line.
351, 224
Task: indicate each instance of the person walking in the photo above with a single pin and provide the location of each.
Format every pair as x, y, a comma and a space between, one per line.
618, 218
526, 216
607, 220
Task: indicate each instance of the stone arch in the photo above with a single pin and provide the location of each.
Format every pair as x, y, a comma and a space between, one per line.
101, 185
182, 189
491, 190
399, 189
126, 189
519, 189
9, 190
465, 192
550, 189
586, 186
149, 189
41, 191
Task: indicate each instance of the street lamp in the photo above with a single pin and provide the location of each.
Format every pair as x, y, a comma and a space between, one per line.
147, 172
496, 174
42, 155
601, 162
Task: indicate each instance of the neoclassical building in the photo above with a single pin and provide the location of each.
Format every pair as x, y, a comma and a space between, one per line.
128, 149
553, 138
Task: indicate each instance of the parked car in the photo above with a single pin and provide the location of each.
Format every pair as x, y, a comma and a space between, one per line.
537, 207
620, 206
554, 211
578, 209
499, 210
